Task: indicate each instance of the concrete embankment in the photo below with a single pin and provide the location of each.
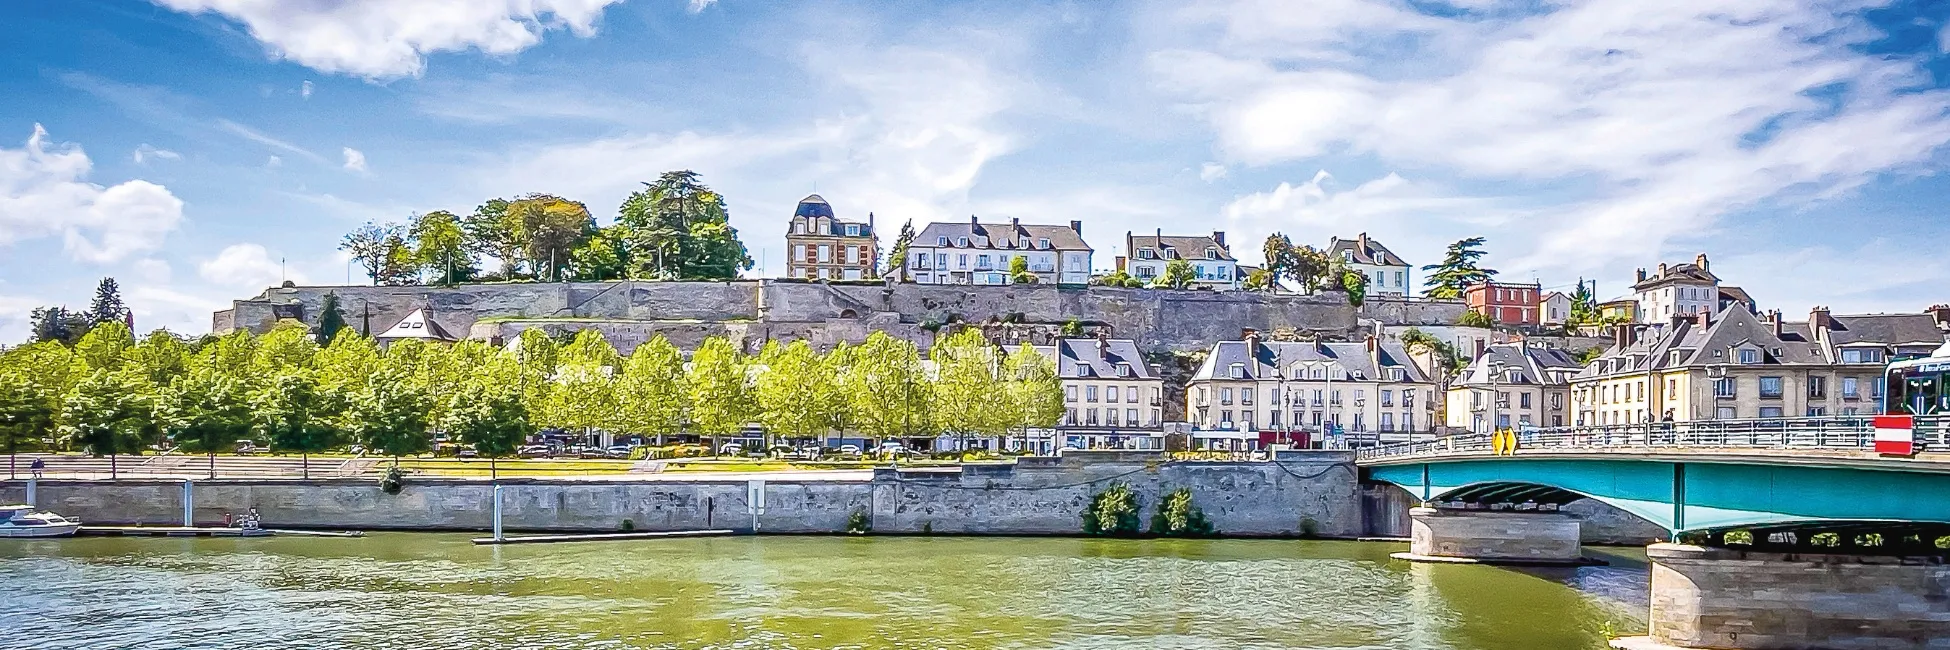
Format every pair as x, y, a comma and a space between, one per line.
1301, 493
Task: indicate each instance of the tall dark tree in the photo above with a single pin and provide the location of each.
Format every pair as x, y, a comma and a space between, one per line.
108, 306
679, 228
371, 245
440, 246
330, 320
551, 229
493, 233
1280, 260
1584, 305
60, 325
1457, 270
897, 260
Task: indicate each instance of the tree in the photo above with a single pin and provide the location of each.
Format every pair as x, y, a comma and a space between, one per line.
967, 386
1457, 270
1019, 271
59, 325
1261, 280
1034, 389
536, 354
1447, 359
1584, 305
584, 394
486, 412
288, 346
1178, 275
678, 228
401, 267
440, 246
104, 346
109, 413
1473, 318
371, 246
390, 415
720, 390
330, 320
885, 389
1118, 278
793, 390
1355, 283
603, 257
491, 232
161, 357
551, 228
292, 412
897, 260
207, 411
651, 392
108, 306
33, 380
1308, 267
1280, 260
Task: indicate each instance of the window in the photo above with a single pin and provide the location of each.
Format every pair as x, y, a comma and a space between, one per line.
1723, 387
1817, 411
1110, 417
1408, 421
1724, 413
1359, 425
1336, 397
1875, 387
941, 241
1273, 419
1237, 371
961, 242
1770, 387
853, 230
1225, 419
1817, 387
1225, 396
1070, 418
982, 262
1246, 396
1557, 402
1557, 420
1523, 400
1090, 395
1110, 394
1147, 254
1317, 398
1399, 281
1092, 414
1069, 393
940, 261
1851, 388
1211, 253
1387, 422
961, 261
1749, 355
1851, 356
1770, 411
1130, 417
1131, 394
1672, 389
1408, 398
1387, 397
798, 254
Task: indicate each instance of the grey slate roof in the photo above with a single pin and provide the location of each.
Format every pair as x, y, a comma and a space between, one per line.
1264, 364
1189, 247
1521, 365
1688, 272
1373, 253
1073, 356
1000, 236
1890, 329
1711, 345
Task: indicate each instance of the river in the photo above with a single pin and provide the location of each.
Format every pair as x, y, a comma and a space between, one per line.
421, 590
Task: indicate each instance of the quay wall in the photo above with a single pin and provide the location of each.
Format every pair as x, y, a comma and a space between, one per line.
1158, 319
1732, 599
1304, 493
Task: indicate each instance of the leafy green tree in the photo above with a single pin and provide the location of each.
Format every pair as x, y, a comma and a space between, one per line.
1445, 355
400, 267
104, 347
234, 350
967, 386
207, 411
1178, 275
108, 306
1355, 283
1261, 280
1457, 270
887, 389
794, 391
551, 229
897, 260
1118, 278
605, 256
1279, 252
371, 245
60, 325
331, 320
651, 392
390, 415
293, 413
537, 355
1035, 390
1019, 271
584, 394
720, 390
440, 246
1473, 318
160, 357
1584, 305
492, 232
486, 413
1308, 267
287, 346
110, 413
33, 380
678, 228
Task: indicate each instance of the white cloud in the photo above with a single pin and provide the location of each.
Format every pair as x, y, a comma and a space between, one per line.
254, 135
146, 152
1211, 172
304, 89
42, 193
1419, 217
1665, 115
387, 38
355, 161
274, 162
244, 265
698, 6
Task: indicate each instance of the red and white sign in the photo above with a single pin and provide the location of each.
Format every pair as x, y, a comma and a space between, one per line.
1895, 435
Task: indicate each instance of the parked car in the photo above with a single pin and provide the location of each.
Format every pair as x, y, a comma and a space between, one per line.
620, 451
535, 451
849, 449
731, 449
467, 452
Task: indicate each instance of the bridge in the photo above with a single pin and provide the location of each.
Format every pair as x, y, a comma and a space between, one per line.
1756, 508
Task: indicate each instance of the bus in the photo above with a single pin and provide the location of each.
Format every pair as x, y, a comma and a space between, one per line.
1916, 386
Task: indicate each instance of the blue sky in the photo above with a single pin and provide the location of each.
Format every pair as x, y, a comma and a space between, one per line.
199, 150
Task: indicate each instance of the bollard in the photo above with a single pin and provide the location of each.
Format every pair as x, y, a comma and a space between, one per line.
497, 513
755, 500
33, 492
189, 506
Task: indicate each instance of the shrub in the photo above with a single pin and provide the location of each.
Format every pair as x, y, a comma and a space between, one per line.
1112, 512
1177, 516
1309, 527
628, 525
858, 523
392, 482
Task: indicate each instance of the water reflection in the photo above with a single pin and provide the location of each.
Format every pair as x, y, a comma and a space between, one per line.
409, 590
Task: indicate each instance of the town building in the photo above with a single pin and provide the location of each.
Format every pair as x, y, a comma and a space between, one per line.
980, 253
1113, 399
821, 246
1250, 393
1506, 303
1554, 308
1146, 257
1387, 274
1732, 296
419, 325
1741, 366
1624, 309
1513, 385
1677, 290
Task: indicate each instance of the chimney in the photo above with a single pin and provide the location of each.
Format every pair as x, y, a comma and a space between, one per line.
1641, 274
1819, 319
1251, 337
1775, 317
1219, 236
972, 222
1662, 269
1119, 260
1700, 261
1077, 226
1014, 225
1103, 344
1942, 315
1374, 354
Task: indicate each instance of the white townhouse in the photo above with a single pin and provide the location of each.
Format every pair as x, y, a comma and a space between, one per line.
980, 253
1213, 266
1250, 393
1387, 274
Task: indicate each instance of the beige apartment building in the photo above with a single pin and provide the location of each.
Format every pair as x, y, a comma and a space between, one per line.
1738, 365
1112, 398
820, 246
1251, 393
1512, 385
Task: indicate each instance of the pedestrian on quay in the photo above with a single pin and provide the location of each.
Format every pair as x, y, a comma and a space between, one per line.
37, 466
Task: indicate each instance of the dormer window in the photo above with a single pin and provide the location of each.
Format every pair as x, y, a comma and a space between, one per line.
1147, 254
1211, 253
798, 227
1123, 371
941, 241
1022, 242
1749, 355
1171, 253
1347, 256
961, 242
1043, 243
853, 230
1237, 371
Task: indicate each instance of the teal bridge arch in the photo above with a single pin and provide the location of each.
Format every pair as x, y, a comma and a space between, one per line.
1683, 496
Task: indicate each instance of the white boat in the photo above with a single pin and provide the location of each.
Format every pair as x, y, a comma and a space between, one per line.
25, 521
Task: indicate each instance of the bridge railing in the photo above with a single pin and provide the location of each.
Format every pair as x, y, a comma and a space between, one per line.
1841, 433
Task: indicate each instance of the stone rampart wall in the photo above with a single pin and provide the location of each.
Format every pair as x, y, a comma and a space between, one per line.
1722, 598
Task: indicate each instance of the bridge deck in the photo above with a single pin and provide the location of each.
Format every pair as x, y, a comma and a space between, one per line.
1935, 462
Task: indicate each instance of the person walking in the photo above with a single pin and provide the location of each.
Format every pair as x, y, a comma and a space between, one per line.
37, 466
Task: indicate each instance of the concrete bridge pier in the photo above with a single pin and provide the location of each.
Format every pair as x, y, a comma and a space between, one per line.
1493, 537
1730, 599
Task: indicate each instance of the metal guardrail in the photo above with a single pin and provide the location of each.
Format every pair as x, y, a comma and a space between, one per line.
1842, 433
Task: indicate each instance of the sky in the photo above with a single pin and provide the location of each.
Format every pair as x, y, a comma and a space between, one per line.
201, 150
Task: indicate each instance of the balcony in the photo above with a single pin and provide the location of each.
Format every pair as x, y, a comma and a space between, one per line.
1042, 268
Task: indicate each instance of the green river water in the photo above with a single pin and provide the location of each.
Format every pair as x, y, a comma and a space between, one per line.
411, 590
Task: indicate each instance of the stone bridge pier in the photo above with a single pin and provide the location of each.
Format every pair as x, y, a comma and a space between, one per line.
1730, 599
1493, 537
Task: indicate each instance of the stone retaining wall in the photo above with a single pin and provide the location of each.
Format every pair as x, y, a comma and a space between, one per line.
1721, 598
1487, 535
